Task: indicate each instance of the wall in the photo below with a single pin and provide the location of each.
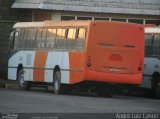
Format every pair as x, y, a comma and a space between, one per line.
8, 17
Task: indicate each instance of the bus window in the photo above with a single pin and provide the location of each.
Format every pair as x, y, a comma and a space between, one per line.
11, 45
13, 39
60, 43
44, 34
80, 41
40, 39
156, 45
22, 39
12, 36
156, 40
71, 36
31, 38
50, 39
148, 39
16, 38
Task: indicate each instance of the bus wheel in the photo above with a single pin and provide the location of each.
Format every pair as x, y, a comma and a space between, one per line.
25, 85
157, 90
57, 82
58, 87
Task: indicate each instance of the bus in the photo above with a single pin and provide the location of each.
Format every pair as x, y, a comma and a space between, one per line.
68, 53
151, 74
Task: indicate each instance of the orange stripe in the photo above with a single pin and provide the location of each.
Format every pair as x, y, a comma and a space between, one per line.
76, 63
40, 62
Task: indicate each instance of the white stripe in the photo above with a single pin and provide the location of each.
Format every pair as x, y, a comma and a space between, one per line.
26, 58
62, 60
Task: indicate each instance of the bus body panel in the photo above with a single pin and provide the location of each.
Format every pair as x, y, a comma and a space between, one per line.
26, 58
76, 60
39, 66
114, 51
90, 75
151, 60
60, 59
35, 70
151, 65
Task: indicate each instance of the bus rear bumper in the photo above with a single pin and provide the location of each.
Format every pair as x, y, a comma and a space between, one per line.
90, 75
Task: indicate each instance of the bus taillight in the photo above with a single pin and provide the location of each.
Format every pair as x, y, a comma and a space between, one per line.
140, 66
89, 64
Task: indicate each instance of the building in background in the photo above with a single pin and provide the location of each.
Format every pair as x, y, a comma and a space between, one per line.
137, 11
12, 11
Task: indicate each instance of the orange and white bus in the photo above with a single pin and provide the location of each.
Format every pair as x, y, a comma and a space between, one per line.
72, 52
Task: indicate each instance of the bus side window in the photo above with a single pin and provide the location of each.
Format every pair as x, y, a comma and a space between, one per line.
22, 39
149, 49
12, 35
80, 41
16, 39
156, 45
31, 38
51, 38
40, 39
148, 39
70, 40
156, 40
60, 39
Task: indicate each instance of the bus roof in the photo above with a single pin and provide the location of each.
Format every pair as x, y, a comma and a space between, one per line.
153, 30
62, 23
28, 24
51, 23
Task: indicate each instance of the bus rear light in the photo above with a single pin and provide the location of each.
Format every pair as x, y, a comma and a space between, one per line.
89, 64
140, 68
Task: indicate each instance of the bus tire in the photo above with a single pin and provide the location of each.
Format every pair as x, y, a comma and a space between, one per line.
58, 87
25, 85
57, 82
157, 90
